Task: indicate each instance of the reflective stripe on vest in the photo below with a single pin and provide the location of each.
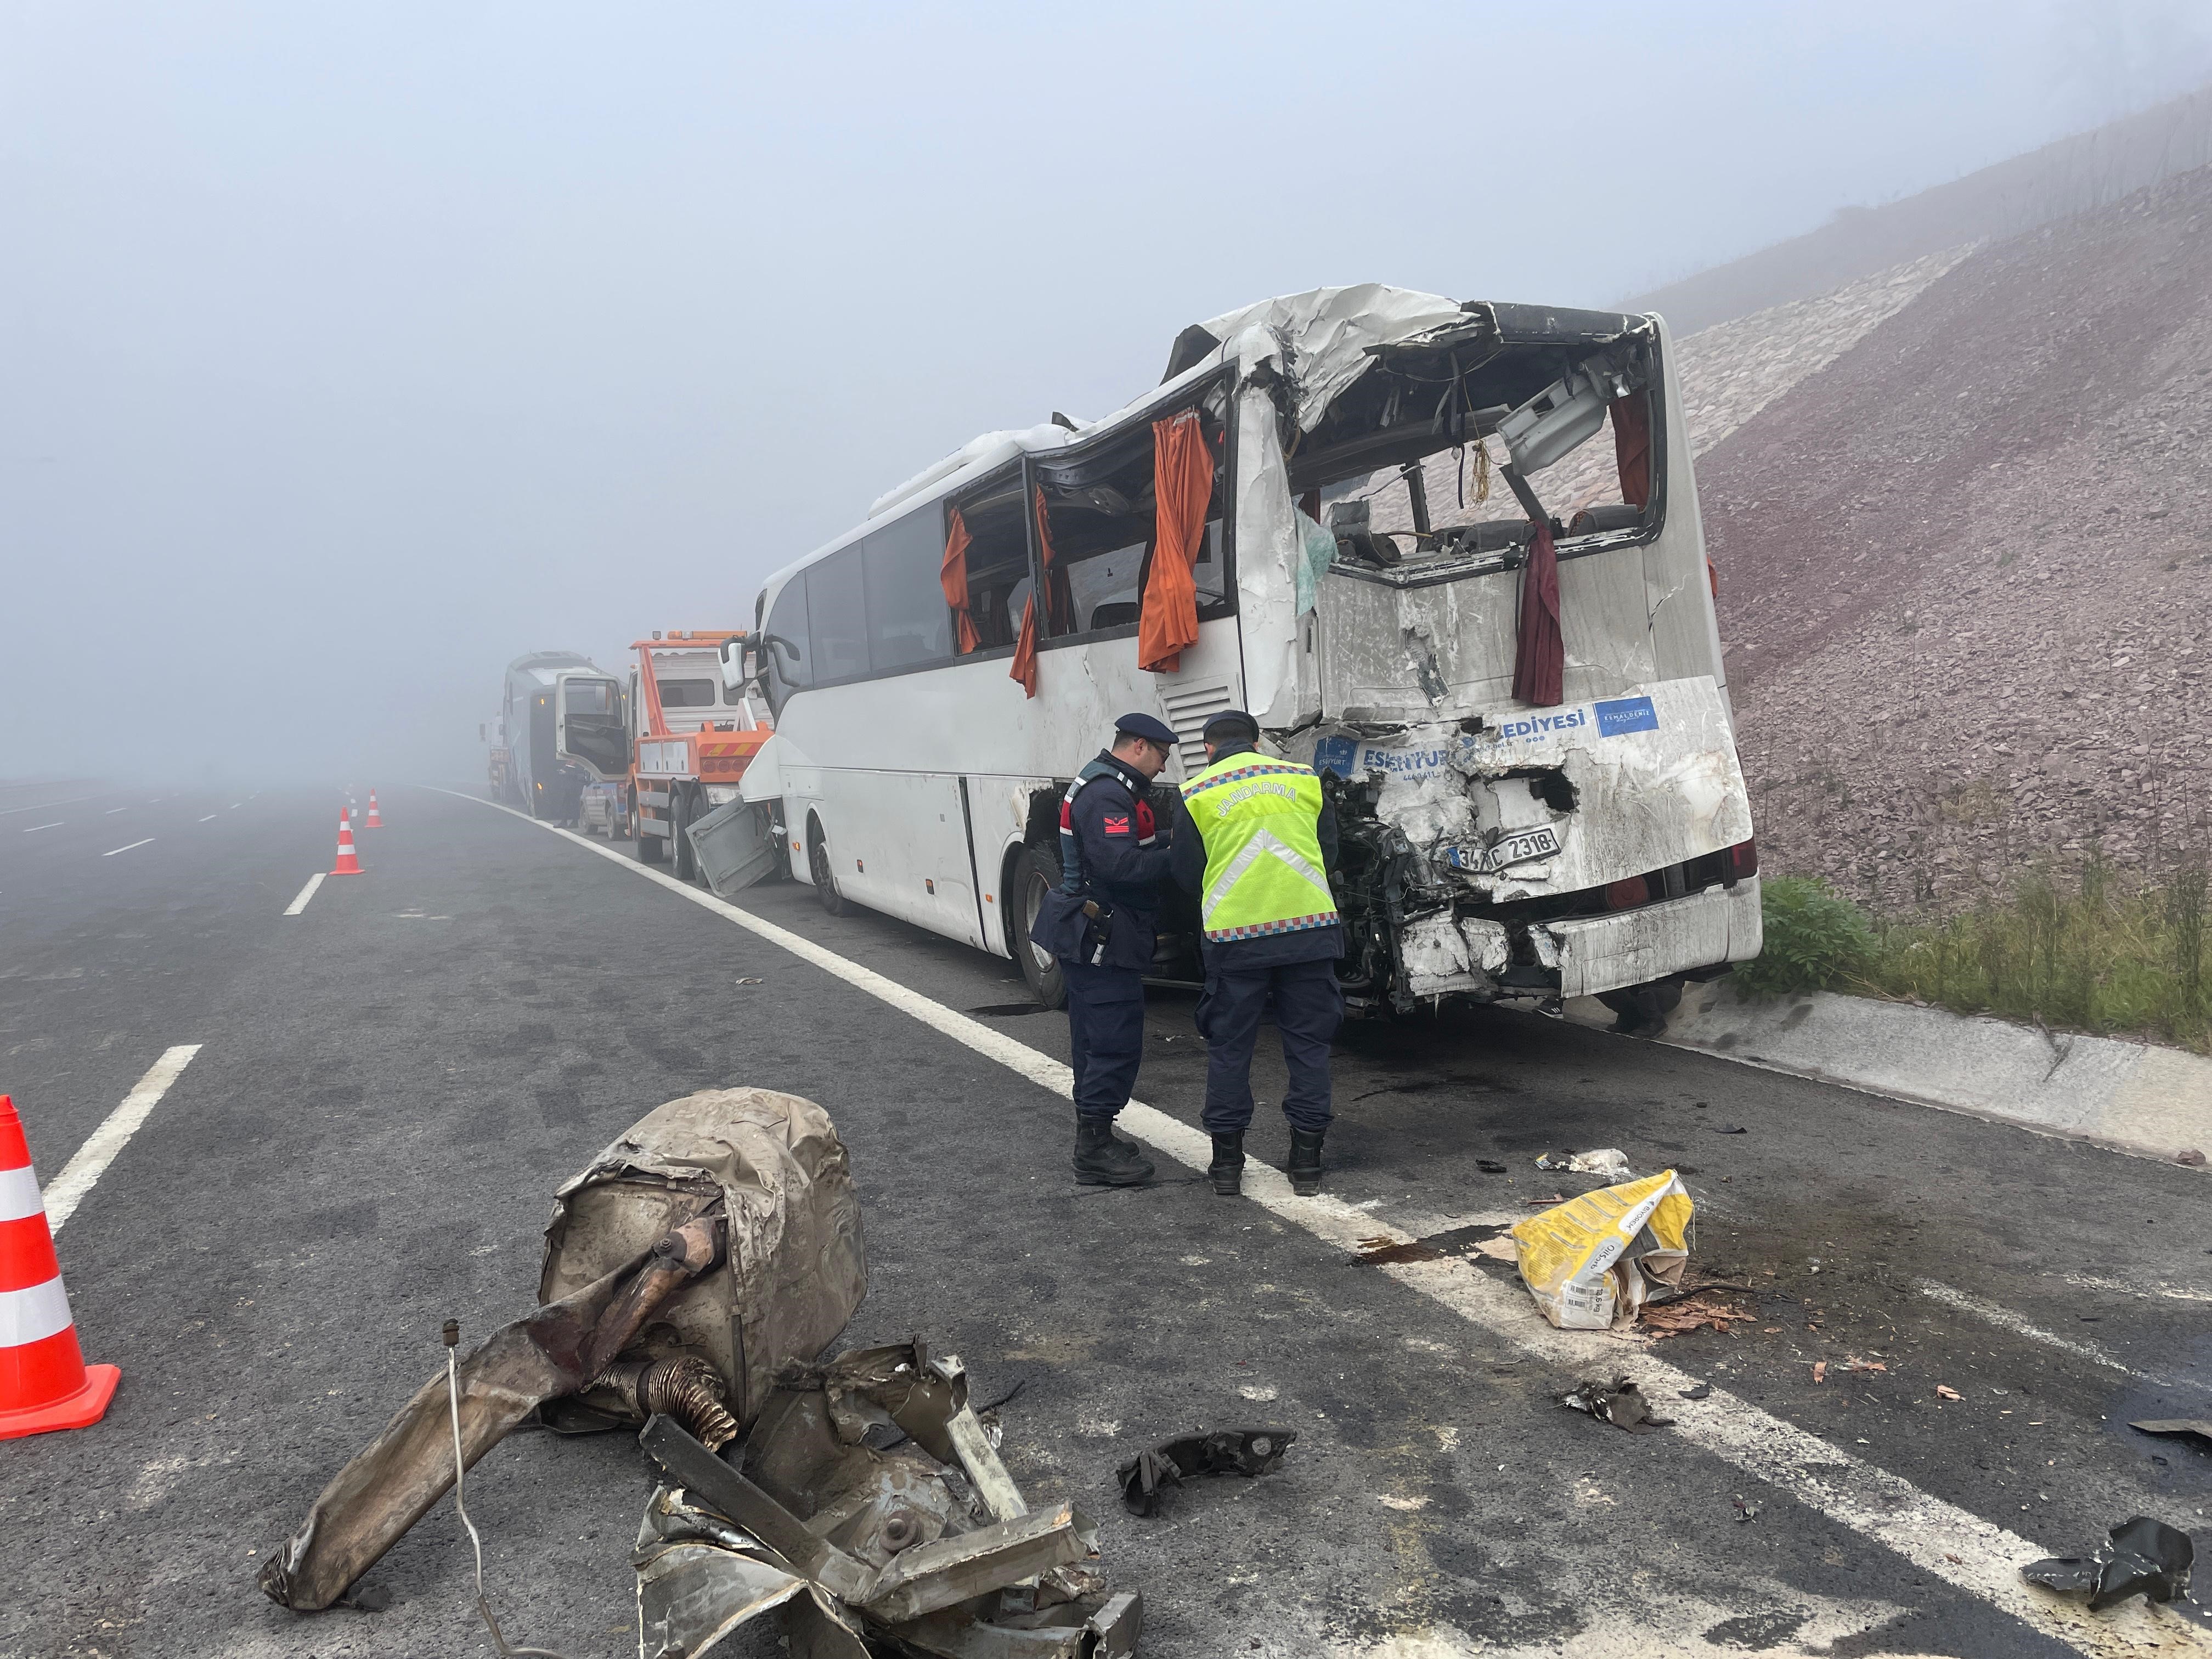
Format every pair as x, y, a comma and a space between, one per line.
1259, 820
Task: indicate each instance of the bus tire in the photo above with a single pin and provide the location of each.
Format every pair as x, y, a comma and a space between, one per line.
683, 863
1038, 872
818, 865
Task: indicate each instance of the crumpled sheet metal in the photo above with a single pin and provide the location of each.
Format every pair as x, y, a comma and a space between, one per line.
795, 1270
391, 1484
936, 1554
773, 1161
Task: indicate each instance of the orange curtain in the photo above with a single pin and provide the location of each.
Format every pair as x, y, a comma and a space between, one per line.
1539, 654
1182, 485
1631, 447
1058, 601
1024, 668
952, 577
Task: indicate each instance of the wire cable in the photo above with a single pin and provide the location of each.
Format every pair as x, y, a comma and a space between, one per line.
452, 1334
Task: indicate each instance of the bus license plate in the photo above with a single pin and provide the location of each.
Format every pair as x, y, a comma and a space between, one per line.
1520, 846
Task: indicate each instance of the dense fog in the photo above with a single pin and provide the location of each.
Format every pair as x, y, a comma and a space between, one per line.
347, 353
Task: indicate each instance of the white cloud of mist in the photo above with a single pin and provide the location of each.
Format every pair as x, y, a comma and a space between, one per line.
347, 353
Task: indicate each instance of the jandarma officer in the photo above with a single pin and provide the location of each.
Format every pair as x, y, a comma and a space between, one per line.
1100, 925
1258, 861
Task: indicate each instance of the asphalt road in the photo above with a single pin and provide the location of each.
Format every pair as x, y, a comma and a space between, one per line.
391, 1083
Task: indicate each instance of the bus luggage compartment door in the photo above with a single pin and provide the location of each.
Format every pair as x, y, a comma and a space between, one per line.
736, 845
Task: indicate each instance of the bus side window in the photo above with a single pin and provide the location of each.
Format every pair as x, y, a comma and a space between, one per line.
837, 616
786, 644
998, 557
908, 623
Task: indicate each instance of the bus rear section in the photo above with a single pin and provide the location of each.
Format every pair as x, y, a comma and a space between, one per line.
1539, 797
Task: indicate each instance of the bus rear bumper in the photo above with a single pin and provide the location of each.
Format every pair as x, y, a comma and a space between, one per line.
1635, 947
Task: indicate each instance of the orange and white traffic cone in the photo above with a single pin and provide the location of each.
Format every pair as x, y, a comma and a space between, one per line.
374, 822
348, 864
45, 1383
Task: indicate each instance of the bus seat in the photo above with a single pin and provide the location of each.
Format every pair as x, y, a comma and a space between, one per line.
1113, 615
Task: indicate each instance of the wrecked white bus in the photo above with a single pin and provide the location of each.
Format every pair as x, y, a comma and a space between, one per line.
1387, 522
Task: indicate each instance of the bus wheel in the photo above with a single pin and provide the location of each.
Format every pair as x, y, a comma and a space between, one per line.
1040, 874
683, 863
818, 865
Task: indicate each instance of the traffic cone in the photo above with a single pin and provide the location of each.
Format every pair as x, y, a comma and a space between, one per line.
45, 1383
374, 822
348, 864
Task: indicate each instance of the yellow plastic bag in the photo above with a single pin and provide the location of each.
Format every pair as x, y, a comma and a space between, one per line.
1590, 1261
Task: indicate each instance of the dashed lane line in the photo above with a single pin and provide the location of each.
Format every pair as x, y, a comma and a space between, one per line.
67, 1190
209, 818
33, 829
112, 851
306, 893
44, 806
112, 810
1943, 1540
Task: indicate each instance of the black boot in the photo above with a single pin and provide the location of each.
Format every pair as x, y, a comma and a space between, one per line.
1305, 1167
1103, 1159
1226, 1172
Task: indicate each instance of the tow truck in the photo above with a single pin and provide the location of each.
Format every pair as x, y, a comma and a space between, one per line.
696, 734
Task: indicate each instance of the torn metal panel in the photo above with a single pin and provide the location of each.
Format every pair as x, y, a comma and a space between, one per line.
1638, 946
796, 1266
391, 1484
714, 1244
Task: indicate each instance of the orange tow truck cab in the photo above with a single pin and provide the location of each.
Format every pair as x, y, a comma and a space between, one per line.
695, 738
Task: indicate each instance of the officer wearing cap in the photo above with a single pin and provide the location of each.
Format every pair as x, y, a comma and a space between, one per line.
1258, 858
1100, 925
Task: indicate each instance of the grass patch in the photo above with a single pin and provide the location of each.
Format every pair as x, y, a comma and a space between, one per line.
2084, 954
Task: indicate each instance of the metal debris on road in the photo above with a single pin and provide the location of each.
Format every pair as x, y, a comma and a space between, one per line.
1696, 1391
1743, 1510
1489, 1166
1619, 1403
1607, 1161
716, 1241
1591, 1262
2198, 1430
928, 1545
1226, 1451
2140, 1557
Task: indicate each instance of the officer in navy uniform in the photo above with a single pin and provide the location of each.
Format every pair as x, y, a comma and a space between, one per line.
1100, 924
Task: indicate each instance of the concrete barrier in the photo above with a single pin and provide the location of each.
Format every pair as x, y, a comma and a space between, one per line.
2135, 1096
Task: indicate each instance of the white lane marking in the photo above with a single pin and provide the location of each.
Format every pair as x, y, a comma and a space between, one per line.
112, 851
33, 829
112, 810
1941, 1539
67, 1190
306, 893
209, 818
235, 804
2171, 1292
2005, 1319
44, 806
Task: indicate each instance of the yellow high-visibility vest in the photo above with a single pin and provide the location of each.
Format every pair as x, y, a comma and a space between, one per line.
1259, 820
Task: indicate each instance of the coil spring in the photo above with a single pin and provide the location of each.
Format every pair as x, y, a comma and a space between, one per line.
687, 1388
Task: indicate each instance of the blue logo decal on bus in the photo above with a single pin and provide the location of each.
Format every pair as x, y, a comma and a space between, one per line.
1337, 755
1537, 726
1626, 714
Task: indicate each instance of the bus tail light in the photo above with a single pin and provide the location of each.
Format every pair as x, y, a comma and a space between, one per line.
1740, 861
1626, 895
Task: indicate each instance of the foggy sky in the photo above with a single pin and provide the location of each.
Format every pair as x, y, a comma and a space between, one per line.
347, 353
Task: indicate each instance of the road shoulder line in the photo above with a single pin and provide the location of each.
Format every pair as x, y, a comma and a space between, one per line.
67, 1190
1943, 1540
